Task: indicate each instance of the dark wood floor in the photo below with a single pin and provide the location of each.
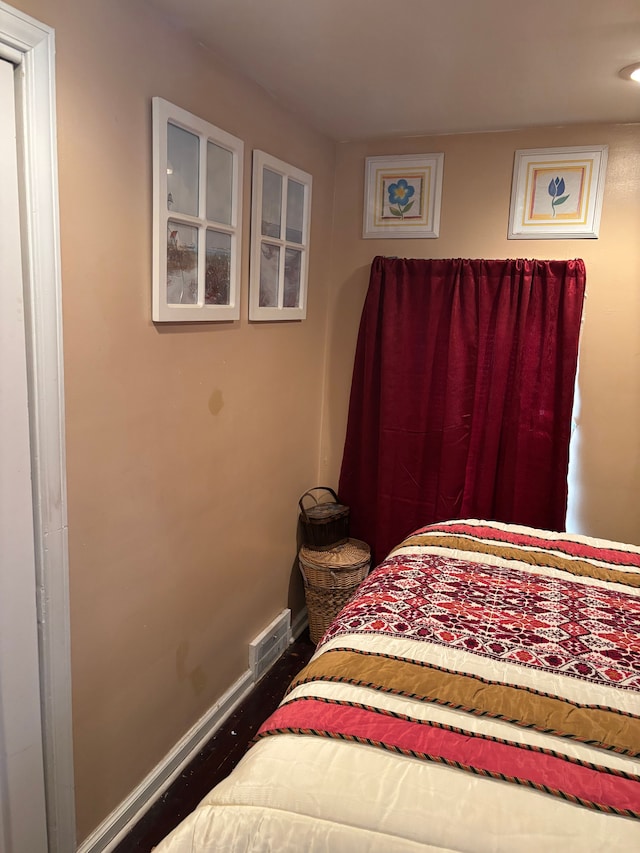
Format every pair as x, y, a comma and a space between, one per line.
220, 755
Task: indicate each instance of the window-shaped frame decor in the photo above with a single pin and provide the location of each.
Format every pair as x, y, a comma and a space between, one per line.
197, 218
280, 228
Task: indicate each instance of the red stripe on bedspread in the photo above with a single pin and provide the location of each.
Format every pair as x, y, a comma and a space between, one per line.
614, 556
517, 763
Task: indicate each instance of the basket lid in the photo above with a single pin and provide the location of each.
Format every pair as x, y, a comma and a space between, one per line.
322, 512
350, 553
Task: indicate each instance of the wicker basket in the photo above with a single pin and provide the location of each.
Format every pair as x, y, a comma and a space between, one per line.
330, 579
326, 524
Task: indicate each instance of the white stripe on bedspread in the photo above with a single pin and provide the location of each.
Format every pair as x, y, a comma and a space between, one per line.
570, 687
415, 803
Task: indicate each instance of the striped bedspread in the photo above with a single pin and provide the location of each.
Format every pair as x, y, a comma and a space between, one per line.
480, 693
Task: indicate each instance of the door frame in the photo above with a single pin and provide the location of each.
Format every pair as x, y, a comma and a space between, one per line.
31, 45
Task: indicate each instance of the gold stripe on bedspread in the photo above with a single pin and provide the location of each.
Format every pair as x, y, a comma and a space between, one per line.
532, 557
595, 725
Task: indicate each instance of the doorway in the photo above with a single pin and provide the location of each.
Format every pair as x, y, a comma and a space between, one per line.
36, 774
23, 812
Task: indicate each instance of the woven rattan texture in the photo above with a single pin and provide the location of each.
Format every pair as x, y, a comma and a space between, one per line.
330, 579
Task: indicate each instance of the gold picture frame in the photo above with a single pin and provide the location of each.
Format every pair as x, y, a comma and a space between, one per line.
402, 196
557, 193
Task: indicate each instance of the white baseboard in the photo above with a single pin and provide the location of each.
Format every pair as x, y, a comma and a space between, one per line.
299, 624
120, 822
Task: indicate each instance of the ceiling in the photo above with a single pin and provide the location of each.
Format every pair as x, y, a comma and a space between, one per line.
368, 68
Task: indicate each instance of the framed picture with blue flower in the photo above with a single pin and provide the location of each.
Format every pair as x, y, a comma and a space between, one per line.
402, 196
557, 193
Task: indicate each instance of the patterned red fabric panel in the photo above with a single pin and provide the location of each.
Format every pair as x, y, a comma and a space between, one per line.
501, 612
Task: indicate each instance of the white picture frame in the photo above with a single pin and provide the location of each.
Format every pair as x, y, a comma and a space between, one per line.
402, 196
280, 234
557, 192
197, 218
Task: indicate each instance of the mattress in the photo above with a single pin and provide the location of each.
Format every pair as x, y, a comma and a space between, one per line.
481, 692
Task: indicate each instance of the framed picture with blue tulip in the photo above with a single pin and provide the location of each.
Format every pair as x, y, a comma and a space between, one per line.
402, 196
557, 193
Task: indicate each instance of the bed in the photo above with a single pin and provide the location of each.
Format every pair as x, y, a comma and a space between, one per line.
481, 692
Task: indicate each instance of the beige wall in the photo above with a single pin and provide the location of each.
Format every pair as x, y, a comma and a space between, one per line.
475, 210
187, 445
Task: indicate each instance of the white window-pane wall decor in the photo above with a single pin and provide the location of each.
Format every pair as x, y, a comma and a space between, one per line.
183, 168
219, 183
197, 218
280, 227
295, 211
271, 203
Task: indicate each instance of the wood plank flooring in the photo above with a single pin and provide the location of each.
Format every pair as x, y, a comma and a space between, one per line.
220, 755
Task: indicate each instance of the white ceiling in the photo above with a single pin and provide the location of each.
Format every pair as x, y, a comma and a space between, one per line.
366, 68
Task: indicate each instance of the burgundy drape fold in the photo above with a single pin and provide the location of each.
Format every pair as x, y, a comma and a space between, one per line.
462, 395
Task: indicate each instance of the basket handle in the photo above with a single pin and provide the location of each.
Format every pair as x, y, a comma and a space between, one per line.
334, 576
308, 493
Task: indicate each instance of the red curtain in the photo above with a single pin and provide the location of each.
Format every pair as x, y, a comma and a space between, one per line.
462, 395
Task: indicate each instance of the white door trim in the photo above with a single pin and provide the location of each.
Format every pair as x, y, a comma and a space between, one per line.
21, 750
43, 316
